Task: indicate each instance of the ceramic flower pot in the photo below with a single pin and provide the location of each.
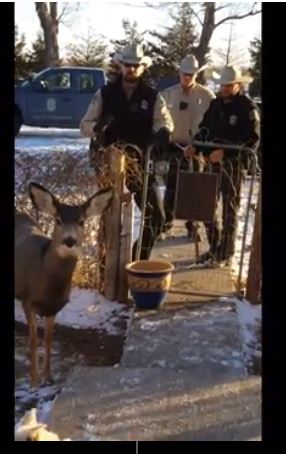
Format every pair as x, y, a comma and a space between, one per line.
149, 282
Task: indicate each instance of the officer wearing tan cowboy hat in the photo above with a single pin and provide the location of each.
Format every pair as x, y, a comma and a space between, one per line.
137, 115
187, 103
124, 94
232, 118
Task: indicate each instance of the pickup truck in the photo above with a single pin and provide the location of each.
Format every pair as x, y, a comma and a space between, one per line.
56, 97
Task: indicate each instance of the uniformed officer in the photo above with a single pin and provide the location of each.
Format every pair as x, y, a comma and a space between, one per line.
187, 102
138, 115
231, 118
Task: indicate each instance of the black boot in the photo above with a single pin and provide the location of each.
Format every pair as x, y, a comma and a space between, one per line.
192, 229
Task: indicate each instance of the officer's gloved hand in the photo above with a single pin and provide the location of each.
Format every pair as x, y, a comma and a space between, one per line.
102, 124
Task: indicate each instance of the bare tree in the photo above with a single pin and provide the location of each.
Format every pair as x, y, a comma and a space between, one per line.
210, 16
231, 52
50, 17
49, 20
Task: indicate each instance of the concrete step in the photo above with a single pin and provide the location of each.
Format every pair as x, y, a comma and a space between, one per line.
124, 404
204, 338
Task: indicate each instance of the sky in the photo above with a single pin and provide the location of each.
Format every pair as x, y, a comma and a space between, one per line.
106, 19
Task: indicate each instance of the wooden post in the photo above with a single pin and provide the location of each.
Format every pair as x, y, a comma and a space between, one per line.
113, 227
126, 246
255, 265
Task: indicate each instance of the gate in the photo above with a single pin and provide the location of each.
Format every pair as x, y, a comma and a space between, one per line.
219, 201
196, 194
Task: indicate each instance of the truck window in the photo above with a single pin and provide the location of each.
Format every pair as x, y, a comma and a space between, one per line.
86, 83
57, 82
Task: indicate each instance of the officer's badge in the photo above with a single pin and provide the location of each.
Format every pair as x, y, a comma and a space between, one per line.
232, 120
144, 104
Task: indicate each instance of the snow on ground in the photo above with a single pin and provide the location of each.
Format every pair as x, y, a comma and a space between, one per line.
250, 320
250, 317
86, 310
39, 140
241, 223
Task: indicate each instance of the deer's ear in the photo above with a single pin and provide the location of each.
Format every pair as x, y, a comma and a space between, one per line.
98, 202
42, 199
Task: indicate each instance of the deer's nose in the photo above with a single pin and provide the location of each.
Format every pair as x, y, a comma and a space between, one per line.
69, 241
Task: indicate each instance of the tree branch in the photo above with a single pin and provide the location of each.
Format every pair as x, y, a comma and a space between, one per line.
237, 17
197, 16
223, 6
63, 12
160, 5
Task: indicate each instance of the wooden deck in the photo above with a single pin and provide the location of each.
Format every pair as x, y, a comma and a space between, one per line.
191, 283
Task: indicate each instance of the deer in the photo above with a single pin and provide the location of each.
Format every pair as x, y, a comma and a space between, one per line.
44, 266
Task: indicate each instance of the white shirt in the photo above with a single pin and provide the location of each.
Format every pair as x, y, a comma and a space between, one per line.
197, 99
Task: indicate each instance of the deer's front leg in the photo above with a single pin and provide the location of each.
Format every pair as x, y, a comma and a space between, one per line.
33, 341
49, 327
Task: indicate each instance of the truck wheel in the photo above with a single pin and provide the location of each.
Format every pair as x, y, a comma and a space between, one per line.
18, 122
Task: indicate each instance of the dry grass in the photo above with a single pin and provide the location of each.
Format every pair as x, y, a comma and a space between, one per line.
69, 176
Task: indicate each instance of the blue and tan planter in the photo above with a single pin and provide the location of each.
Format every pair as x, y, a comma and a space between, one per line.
149, 282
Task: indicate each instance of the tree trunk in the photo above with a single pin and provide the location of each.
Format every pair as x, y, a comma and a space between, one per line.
206, 35
50, 25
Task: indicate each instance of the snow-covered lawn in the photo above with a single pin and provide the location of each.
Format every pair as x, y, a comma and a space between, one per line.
86, 310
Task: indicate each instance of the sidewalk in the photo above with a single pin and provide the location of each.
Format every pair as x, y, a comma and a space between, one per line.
182, 377
183, 372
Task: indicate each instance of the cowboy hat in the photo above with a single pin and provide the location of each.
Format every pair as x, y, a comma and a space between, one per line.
231, 74
134, 54
190, 65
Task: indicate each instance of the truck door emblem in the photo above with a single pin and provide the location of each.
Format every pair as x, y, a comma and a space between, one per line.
51, 104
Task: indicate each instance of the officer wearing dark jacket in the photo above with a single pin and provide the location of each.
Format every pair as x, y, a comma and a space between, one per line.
232, 118
137, 115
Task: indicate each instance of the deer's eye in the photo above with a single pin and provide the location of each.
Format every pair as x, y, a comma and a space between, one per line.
58, 221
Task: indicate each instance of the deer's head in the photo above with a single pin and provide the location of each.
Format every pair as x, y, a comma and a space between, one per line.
69, 219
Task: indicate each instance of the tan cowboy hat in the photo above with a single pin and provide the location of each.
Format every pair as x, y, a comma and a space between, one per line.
231, 74
134, 54
190, 65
